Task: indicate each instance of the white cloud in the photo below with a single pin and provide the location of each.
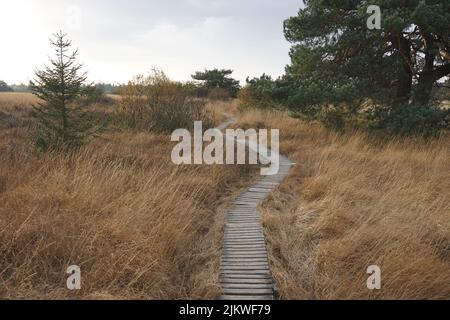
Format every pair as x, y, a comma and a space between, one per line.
118, 38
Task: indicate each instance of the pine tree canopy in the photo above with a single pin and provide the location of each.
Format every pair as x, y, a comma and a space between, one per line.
336, 58
218, 79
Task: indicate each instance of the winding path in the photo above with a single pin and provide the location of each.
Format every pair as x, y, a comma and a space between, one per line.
244, 267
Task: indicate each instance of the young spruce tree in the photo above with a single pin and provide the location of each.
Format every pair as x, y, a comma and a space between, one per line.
61, 121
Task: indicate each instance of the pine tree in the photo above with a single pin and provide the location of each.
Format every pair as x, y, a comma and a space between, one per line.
216, 78
61, 121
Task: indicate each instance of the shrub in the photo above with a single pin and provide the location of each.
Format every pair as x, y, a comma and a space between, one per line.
97, 94
265, 93
155, 103
250, 98
334, 119
410, 120
218, 94
130, 112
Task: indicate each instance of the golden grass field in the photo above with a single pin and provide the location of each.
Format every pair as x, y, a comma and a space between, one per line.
138, 226
349, 204
142, 228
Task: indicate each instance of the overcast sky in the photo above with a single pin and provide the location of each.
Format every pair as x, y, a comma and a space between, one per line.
118, 38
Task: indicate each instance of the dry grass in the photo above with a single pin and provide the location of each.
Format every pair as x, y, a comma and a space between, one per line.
12, 99
138, 226
349, 204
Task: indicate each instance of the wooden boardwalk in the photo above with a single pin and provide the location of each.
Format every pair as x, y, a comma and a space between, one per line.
244, 270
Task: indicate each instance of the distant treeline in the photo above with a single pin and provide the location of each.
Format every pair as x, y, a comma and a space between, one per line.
4, 87
104, 87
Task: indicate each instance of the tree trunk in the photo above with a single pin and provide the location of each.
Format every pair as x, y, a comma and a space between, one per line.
405, 74
424, 89
427, 78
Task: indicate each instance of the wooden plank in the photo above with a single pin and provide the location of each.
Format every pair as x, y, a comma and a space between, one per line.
236, 257
234, 291
252, 196
229, 278
240, 232
243, 229
255, 194
247, 286
244, 236
228, 244
245, 265
248, 225
245, 204
243, 258
236, 281
236, 253
244, 276
241, 226
258, 194
245, 215
240, 261
245, 249
244, 232
237, 244
242, 255
245, 240
248, 298
254, 217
